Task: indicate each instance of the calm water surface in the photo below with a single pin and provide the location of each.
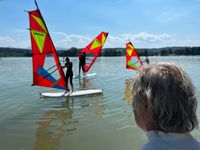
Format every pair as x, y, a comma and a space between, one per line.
98, 122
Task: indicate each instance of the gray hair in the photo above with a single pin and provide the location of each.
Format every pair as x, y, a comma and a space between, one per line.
170, 96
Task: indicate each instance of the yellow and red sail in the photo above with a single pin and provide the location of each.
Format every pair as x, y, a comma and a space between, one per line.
95, 48
132, 58
42, 46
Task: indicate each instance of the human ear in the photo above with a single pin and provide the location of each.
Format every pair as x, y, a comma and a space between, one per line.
145, 103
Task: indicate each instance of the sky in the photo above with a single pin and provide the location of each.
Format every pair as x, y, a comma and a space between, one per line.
74, 23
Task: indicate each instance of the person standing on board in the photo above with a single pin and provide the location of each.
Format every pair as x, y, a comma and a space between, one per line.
146, 60
82, 63
69, 74
164, 105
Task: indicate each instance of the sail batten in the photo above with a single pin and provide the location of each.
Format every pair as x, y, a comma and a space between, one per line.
42, 45
95, 48
131, 54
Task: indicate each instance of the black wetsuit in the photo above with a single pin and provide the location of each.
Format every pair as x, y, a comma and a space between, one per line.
147, 60
69, 74
81, 63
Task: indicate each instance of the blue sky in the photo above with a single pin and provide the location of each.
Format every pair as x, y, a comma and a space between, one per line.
73, 23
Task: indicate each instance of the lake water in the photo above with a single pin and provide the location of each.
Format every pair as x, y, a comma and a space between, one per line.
97, 122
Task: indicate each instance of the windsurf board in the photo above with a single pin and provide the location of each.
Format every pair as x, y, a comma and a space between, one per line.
72, 94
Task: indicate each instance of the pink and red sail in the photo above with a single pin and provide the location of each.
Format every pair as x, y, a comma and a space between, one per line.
42, 46
95, 48
132, 58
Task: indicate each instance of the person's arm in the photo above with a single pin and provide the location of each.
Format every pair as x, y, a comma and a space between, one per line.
61, 65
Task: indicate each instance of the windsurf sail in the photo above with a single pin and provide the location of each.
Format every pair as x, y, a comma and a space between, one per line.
132, 58
42, 46
94, 48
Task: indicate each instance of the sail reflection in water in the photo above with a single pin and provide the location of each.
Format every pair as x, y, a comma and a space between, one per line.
128, 90
53, 125
63, 119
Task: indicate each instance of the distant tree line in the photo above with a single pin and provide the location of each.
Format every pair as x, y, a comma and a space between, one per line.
73, 52
167, 51
14, 52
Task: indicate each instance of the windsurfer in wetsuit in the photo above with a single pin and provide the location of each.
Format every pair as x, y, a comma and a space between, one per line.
82, 63
69, 73
146, 60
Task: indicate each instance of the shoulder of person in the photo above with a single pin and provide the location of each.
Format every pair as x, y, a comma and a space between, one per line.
197, 144
149, 146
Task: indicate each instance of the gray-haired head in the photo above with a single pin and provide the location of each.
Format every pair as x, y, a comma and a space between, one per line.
170, 97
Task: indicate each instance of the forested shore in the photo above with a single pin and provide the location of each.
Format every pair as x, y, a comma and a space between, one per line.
72, 52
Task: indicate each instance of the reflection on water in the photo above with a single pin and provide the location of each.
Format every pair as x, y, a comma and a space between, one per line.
83, 83
89, 122
62, 119
53, 125
128, 96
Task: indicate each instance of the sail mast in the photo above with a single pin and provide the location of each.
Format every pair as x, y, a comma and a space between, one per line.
36, 4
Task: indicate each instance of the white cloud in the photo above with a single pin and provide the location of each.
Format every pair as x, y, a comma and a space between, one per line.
80, 41
146, 37
7, 41
19, 39
71, 40
146, 40
140, 40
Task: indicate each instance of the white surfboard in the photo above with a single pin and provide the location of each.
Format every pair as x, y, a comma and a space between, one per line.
86, 76
71, 94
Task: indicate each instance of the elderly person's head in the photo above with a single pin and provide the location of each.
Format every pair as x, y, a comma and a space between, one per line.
164, 99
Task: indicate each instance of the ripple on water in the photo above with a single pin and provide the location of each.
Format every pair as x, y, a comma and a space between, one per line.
91, 122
